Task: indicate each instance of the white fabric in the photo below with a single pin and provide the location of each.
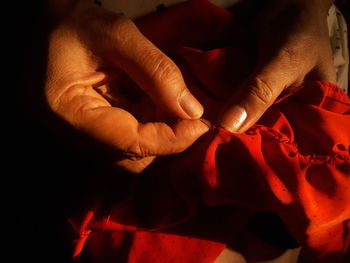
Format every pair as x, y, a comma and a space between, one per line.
339, 41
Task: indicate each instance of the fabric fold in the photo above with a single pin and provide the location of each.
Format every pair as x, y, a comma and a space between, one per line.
295, 162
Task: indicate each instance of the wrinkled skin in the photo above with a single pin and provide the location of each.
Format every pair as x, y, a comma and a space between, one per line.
293, 47
88, 51
91, 50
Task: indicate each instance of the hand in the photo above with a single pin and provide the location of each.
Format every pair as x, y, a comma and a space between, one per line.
90, 50
293, 47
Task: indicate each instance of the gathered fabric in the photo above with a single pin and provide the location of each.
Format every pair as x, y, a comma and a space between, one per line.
295, 162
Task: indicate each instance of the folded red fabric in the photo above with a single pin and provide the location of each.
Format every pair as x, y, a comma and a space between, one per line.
294, 162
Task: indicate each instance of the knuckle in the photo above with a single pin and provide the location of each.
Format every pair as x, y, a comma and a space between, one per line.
137, 148
134, 151
262, 91
286, 57
288, 53
164, 69
291, 53
120, 28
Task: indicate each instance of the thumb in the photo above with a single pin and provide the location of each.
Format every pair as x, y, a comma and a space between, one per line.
153, 71
255, 96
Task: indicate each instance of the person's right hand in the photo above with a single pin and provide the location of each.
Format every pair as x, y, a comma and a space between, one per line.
292, 48
89, 49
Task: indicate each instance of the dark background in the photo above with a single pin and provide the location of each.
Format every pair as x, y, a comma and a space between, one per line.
40, 167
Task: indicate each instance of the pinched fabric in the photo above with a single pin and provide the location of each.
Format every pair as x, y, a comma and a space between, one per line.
295, 162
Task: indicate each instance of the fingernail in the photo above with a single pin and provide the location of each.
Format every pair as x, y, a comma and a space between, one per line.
234, 120
190, 105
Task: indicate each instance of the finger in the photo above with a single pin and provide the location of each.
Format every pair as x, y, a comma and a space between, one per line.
119, 129
152, 70
135, 166
250, 102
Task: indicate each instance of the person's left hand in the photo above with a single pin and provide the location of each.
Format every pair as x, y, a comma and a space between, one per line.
293, 47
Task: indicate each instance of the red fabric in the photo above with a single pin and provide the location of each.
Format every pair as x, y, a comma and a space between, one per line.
295, 161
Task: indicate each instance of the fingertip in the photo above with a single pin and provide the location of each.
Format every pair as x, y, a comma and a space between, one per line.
188, 131
190, 105
205, 126
234, 119
207, 123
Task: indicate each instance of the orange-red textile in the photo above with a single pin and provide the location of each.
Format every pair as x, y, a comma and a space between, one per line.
295, 162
